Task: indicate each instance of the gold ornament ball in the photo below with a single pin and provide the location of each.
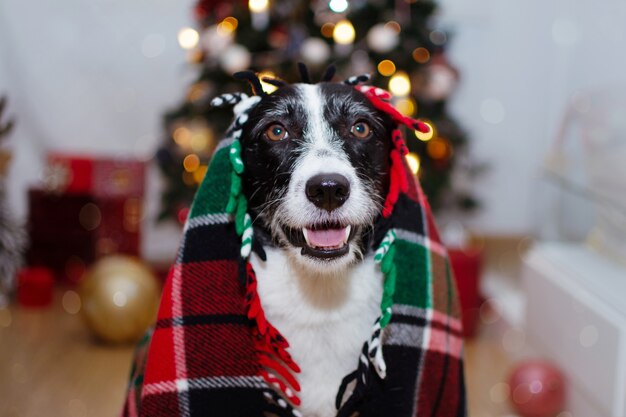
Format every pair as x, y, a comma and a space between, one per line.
120, 297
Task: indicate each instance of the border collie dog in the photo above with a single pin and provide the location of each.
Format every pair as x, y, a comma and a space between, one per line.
317, 162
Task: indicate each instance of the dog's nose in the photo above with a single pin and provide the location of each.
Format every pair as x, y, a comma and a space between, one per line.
328, 191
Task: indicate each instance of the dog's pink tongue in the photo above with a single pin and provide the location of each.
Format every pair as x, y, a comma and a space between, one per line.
326, 238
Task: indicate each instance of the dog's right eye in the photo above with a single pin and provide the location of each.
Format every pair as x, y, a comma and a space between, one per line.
276, 132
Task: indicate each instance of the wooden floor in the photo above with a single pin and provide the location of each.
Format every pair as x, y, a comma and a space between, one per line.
50, 366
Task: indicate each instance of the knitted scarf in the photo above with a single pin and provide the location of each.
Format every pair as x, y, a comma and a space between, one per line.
213, 352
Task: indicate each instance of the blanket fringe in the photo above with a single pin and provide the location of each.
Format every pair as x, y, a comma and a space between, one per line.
271, 346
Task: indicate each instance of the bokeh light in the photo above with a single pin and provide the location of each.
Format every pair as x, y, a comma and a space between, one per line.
191, 162
338, 6
188, 38
198, 174
393, 25
197, 91
71, 302
386, 67
399, 84
258, 6
439, 148
414, 162
406, 106
343, 32
90, 216
327, 30
188, 178
201, 139
438, 37
227, 26
421, 55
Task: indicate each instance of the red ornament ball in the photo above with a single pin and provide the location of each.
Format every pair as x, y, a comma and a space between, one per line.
537, 389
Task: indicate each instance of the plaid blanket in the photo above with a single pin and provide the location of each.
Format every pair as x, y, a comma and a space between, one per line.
213, 353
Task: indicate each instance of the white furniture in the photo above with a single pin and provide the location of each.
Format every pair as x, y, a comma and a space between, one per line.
576, 316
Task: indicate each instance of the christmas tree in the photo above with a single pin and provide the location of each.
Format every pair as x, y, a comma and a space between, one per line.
393, 40
12, 235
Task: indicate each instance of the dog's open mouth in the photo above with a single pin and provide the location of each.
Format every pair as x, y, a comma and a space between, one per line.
326, 240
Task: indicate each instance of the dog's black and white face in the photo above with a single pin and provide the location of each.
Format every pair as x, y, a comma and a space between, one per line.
317, 161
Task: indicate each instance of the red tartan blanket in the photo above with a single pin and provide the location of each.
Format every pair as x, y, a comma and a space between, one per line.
213, 353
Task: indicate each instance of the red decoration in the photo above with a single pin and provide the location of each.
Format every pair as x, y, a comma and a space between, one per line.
183, 213
35, 287
537, 389
76, 174
467, 264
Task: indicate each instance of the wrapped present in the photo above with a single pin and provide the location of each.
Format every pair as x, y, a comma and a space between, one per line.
101, 177
35, 287
69, 231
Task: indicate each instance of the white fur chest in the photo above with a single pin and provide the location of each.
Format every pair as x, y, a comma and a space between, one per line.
326, 320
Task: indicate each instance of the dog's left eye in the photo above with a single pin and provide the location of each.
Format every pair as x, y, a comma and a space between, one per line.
276, 132
361, 130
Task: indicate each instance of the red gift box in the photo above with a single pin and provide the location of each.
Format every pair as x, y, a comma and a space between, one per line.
35, 287
466, 264
70, 231
101, 177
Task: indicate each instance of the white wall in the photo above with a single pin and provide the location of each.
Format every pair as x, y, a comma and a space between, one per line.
521, 61
94, 77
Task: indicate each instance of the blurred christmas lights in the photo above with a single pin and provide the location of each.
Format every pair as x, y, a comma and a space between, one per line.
188, 38
386, 68
182, 137
259, 13
327, 30
338, 6
406, 106
343, 32
258, 6
191, 162
439, 148
414, 162
438, 37
227, 26
198, 174
71, 302
394, 26
382, 38
399, 84
421, 55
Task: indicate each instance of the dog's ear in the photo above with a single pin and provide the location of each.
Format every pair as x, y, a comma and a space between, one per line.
329, 73
253, 79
